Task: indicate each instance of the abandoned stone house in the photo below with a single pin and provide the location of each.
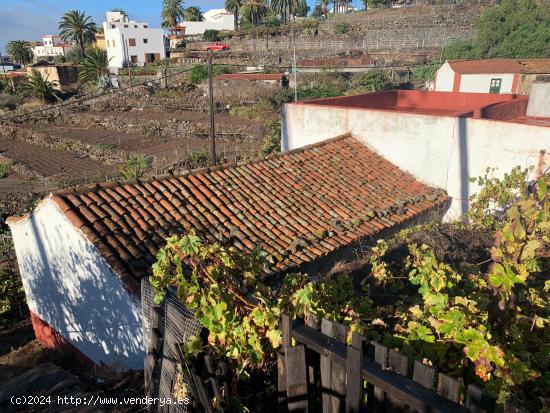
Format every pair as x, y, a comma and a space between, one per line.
82, 252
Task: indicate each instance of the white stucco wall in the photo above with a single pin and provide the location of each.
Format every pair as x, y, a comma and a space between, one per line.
69, 285
120, 52
482, 83
444, 79
440, 151
224, 22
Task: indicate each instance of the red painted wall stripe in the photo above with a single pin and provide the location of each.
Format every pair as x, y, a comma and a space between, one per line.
52, 339
515, 83
456, 83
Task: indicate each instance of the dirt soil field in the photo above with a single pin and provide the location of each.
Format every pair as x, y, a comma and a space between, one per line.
46, 162
20, 352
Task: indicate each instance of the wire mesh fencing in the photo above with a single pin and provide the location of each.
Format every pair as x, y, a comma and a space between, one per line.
165, 327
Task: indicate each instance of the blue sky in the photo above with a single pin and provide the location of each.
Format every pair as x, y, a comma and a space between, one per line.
30, 19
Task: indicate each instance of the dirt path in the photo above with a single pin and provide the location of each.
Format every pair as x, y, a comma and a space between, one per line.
49, 163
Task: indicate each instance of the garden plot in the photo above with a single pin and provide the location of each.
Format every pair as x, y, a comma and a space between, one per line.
49, 163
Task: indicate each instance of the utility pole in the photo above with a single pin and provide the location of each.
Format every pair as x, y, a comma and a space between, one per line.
211, 99
295, 75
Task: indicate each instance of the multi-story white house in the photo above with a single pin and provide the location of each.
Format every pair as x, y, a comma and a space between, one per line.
130, 42
215, 19
50, 47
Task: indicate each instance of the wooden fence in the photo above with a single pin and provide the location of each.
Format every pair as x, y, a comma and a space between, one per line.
320, 373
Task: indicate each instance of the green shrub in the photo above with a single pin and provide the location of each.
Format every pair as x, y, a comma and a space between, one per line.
198, 74
341, 28
5, 169
427, 71
319, 91
211, 35
272, 139
134, 167
373, 80
281, 97
12, 295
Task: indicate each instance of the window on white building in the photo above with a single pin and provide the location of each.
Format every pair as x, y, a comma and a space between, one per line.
145, 41
495, 85
145, 26
131, 42
134, 59
113, 26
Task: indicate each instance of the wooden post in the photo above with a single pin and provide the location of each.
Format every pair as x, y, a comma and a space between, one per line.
424, 375
354, 380
478, 401
400, 365
296, 379
333, 376
448, 387
211, 103
381, 357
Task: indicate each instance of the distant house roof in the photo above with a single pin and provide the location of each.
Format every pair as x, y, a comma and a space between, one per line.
297, 206
251, 76
12, 75
488, 66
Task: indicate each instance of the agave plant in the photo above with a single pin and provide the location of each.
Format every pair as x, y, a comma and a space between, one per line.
40, 87
95, 66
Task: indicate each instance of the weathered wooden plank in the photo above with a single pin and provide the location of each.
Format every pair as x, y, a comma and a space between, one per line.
296, 379
380, 357
354, 394
313, 364
423, 374
337, 387
326, 371
478, 401
399, 364
205, 401
281, 383
210, 368
286, 329
448, 387
413, 394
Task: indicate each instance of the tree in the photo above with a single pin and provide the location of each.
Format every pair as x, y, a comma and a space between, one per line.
172, 13
302, 9
235, 7
76, 26
254, 11
513, 29
20, 51
193, 14
35, 85
285, 8
95, 66
119, 10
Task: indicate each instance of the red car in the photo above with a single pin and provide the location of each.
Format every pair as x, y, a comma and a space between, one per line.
216, 46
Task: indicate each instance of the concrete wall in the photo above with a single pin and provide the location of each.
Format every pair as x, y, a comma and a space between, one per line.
482, 83
444, 78
70, 286
539, 100
441, 151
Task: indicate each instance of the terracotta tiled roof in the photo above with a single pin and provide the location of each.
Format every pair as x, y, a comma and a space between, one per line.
297, 206
251, 76
489, 66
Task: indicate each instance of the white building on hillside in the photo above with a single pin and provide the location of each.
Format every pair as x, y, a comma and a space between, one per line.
130, 42
215, 19
51, 46
490, 75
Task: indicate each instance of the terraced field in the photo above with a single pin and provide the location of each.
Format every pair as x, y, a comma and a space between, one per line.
48, 163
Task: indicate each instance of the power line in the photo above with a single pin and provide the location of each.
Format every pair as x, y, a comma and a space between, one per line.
99, 95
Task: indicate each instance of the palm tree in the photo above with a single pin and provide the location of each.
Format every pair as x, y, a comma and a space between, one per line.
172, 13
35, 85
234, 6
254, 11
20, 51
119, 10
285, 8
76, 26
95, 66
193, 14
